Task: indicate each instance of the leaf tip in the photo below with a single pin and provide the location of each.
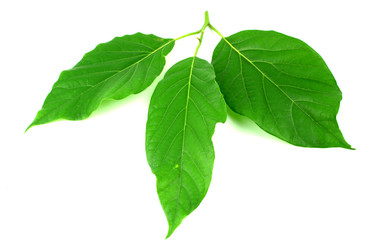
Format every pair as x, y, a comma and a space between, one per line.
349, 147
29, 127
34, 123
170, 231
172, 226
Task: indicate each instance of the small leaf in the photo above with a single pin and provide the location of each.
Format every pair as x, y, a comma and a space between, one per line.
183, 112
281, 84
113, 70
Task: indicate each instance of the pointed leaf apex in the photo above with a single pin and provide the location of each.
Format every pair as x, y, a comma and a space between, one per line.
29, 127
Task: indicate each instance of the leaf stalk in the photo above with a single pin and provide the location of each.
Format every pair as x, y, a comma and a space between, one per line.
201, 31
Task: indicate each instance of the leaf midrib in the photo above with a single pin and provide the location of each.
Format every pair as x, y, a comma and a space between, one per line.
283, 92
183, 137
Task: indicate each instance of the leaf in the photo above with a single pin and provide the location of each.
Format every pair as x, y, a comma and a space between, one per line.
282, 84
183, 111
113, 70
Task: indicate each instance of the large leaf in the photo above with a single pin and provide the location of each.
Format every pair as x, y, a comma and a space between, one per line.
113, 70
183, 112
282, 84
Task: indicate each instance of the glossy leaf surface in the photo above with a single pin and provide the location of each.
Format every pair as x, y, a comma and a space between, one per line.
183, 112
113, 70
281, 84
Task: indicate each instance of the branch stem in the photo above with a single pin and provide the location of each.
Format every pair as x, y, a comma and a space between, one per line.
201, 31
216, 31
187, 35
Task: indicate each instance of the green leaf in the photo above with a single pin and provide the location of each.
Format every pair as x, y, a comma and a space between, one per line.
183, 111
113, 70
282, 84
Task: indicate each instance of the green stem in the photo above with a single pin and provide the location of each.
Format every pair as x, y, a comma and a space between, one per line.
216, 31
235, 49
187, 35
201, 31
205, 24
199, 44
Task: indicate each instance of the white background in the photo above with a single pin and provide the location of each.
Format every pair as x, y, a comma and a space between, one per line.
90, 179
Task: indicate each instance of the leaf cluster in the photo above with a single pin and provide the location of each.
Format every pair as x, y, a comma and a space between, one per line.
276, 80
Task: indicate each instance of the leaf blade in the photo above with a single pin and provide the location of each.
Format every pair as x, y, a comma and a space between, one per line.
183, 111
284, 86
114, 70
